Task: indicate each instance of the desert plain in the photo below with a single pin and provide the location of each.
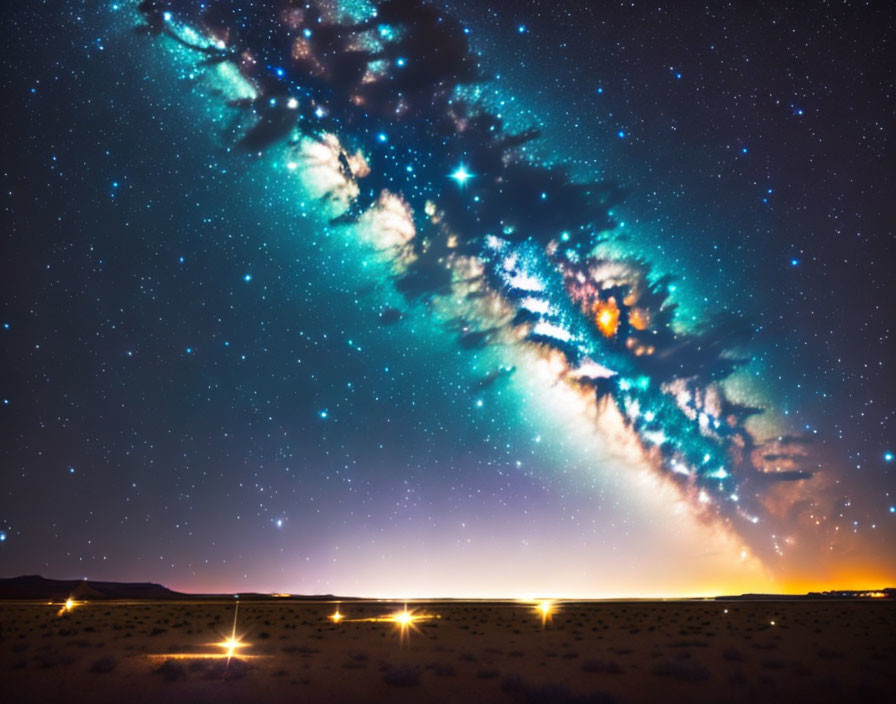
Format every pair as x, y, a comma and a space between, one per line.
458, 651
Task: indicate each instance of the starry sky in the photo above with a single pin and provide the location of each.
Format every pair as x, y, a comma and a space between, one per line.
449, 299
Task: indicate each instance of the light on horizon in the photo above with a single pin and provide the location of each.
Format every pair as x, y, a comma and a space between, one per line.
546, 608
68, 606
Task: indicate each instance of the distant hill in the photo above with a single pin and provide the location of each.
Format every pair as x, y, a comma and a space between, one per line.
37, 587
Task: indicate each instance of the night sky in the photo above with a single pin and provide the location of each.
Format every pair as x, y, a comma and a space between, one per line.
455, 299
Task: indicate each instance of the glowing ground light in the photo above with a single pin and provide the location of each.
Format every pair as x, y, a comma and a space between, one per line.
232, 644
403, 618
67, 606
545, 607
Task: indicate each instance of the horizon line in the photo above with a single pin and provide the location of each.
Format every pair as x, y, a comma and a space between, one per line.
524, 597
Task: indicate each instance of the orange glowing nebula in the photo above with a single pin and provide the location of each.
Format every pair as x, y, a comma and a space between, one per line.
638, 319
606, 316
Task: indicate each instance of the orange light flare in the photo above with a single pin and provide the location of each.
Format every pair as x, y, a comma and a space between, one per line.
232, 644
68, 606
606, 316
546, 609
405, 620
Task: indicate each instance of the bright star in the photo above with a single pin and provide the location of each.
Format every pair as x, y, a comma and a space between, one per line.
461, 175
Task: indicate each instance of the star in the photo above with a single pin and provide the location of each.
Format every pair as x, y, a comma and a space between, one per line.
461, 175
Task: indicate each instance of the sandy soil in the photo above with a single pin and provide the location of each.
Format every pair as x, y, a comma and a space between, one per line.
819, 651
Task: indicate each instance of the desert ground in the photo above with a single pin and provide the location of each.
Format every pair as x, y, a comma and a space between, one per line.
704, 651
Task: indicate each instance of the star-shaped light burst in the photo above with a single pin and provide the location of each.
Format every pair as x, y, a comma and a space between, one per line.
461, 175
404, 619
67, 606
232, 644
336, 617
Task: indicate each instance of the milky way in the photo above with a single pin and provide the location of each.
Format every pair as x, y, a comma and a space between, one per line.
380, 100
380, 122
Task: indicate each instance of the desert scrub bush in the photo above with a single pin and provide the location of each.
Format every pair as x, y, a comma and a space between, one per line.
682, 670
171, 670
523, 693
601, 667
401, 675
104, 665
